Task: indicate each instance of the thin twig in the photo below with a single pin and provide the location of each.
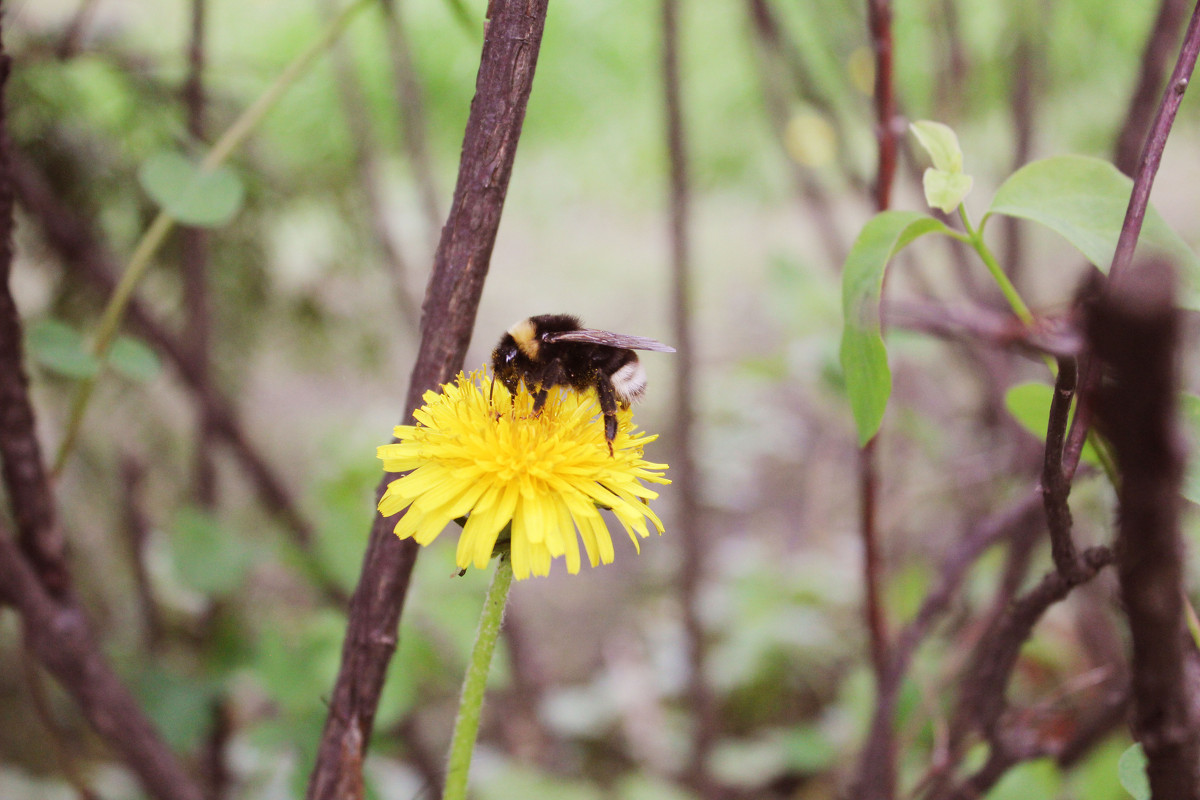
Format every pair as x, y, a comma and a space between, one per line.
412, 116
1055, 487
691, 570
1155, 58
876, 777
197, 322
1153, 150
369, 166
510, 50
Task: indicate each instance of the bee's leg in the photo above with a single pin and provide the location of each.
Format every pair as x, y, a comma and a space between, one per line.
608, 405
553, 376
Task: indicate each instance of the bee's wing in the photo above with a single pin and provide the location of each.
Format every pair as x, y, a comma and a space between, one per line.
609, 339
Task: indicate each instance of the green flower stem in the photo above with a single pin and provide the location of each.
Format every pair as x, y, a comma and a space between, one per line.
156, 234
466, 724
1006, 286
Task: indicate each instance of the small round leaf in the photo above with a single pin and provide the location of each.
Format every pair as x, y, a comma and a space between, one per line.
190, 194
59, 348
134, 359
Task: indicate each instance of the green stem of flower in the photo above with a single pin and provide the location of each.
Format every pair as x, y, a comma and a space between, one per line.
156, 234
1006, 286
466, 724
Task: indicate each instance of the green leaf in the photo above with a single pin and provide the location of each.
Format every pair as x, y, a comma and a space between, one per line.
941, 143
945, 190
190, 194
1029, 403
134, 359
1131, 771
181, 706
60, 348
1189, 405
1084, 200
206, 557
862, 352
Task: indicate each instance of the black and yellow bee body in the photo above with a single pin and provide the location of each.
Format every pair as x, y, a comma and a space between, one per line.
556, 350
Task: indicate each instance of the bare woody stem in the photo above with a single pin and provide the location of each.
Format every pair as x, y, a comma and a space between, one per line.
510, 49
876, 779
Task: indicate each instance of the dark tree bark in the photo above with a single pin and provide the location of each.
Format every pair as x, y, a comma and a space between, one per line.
510, 50
1134, 330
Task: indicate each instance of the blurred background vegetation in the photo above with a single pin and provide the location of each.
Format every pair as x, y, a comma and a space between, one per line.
226, 614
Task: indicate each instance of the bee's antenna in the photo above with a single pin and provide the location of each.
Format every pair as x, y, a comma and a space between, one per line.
492, 389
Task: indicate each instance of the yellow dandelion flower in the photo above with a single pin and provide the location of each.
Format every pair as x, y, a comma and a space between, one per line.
479, 452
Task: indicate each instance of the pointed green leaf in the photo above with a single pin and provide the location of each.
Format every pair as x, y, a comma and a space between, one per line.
941, 143
945, 190
1190, 408
862, 352
60, 348
1131, 771
134, 359
1084, 199
193, 196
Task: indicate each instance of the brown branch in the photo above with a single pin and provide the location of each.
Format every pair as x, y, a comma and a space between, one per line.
1159, 46
23, 471
33, 575
137, 528
412, 115
1055, 486
59, 636
983, 697
1153, 150
1000, 329
1134, 332
1139, 198
195, 265
194, 262
876, 778
817, 203
691, 570
369, 166
510, 49
937, 602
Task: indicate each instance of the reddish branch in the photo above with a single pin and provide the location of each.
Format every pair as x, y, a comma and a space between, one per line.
1153, 150
877, 769
691, 571
1159, 45
817, 204
197, 324
33, 575
510, 49
1055, 486
1134, 330
412, 115
1139, 199
24, 471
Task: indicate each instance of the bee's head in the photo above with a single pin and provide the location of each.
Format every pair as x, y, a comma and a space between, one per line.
505, 354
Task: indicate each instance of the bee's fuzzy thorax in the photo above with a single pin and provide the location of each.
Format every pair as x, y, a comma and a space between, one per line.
524, 333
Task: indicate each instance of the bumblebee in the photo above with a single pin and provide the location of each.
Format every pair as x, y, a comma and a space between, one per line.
556, 350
